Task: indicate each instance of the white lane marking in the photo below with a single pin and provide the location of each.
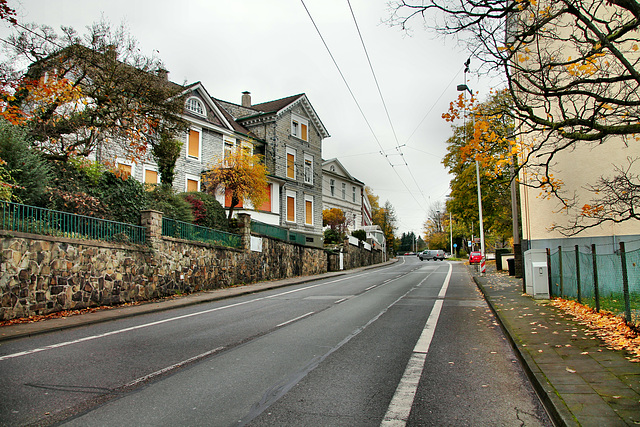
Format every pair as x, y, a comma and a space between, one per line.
341, 300
297, 318
402, 401
159, 322
370, 287
174, 366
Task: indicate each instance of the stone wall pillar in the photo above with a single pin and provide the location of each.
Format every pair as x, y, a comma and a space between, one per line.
152, 222
244, 228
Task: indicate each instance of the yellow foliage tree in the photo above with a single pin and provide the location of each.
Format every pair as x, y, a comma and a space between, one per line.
241, 174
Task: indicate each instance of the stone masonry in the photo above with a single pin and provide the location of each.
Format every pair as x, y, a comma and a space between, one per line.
45, 274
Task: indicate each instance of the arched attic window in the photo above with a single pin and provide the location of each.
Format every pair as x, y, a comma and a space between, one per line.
195, 106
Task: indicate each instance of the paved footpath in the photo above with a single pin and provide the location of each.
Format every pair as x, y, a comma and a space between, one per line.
580, 381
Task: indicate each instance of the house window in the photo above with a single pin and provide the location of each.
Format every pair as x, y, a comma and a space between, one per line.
228, 198
229, 144
353, 193
332, 186
299, 127
266, 206
291, 206
308, 210
291, 163
192, 183
126, 169
308, 170
195, 106
151, 176
344, 191
193, 144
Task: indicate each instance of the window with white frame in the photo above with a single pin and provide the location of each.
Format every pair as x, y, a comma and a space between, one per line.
291, 163
344, 191
308, 169
125, 167
291, 206
332, 187
299, 127
191, 183
229, 146
194, 105
194, 143
353, 193
151, 175
308, 210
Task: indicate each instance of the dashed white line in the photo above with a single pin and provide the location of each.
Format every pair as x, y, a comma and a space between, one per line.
297, 318
174, 366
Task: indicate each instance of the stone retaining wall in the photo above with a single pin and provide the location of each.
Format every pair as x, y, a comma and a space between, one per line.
44, 274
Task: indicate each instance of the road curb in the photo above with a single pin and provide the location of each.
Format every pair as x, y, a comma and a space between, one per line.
24, 330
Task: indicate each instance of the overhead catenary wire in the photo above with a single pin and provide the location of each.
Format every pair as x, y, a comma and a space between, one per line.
357, 103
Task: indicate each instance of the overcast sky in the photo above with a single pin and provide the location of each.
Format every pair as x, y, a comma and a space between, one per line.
272, 49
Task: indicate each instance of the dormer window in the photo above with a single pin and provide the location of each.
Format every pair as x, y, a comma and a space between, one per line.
195, 106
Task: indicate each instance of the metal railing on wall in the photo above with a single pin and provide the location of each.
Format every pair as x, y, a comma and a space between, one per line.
188, 231
35, 220
602, 281
277, 232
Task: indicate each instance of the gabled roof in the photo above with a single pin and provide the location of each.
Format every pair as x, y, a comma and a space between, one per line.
225, 118
279, 107
345, 172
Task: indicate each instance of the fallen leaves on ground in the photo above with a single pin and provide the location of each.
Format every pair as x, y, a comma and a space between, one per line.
68, 313
610, 328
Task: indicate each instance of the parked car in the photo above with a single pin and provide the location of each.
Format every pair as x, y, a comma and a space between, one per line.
475, 257
434, 254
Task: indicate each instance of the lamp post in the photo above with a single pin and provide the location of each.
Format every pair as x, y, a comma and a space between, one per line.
451, 233
465, 88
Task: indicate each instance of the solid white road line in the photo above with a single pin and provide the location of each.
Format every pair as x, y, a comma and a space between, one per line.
400, 406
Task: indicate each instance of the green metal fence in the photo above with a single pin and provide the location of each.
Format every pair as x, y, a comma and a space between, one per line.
187, 231
602, 281
31, 219
277, 232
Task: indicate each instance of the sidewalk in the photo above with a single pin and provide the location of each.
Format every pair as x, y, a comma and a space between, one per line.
579, 380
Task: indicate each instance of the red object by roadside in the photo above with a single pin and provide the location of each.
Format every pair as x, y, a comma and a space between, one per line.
475, 257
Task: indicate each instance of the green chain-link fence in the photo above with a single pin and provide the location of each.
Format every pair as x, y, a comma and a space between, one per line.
602, 281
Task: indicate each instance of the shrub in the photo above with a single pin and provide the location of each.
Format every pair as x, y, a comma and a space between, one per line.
162, 198
332, 236
207, 211
124, 198
360, 234
26, 166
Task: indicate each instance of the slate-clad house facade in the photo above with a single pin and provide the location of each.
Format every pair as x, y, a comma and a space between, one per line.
292, 133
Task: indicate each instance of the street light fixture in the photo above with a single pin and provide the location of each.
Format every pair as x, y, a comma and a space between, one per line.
465, 88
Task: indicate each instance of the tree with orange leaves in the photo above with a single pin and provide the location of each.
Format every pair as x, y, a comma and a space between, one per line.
242, 175
93, 95
484, 136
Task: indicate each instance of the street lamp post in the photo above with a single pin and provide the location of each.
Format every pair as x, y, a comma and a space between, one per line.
465, 88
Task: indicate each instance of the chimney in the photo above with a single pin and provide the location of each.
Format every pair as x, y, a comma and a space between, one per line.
246, 99
163, 74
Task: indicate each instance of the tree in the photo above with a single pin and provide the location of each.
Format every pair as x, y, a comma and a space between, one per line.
335, 219
385, 217
570, 69
166, 152
83, 95
242, 175
29, 172
485, 139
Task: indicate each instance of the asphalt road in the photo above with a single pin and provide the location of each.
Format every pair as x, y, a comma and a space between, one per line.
413, 343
